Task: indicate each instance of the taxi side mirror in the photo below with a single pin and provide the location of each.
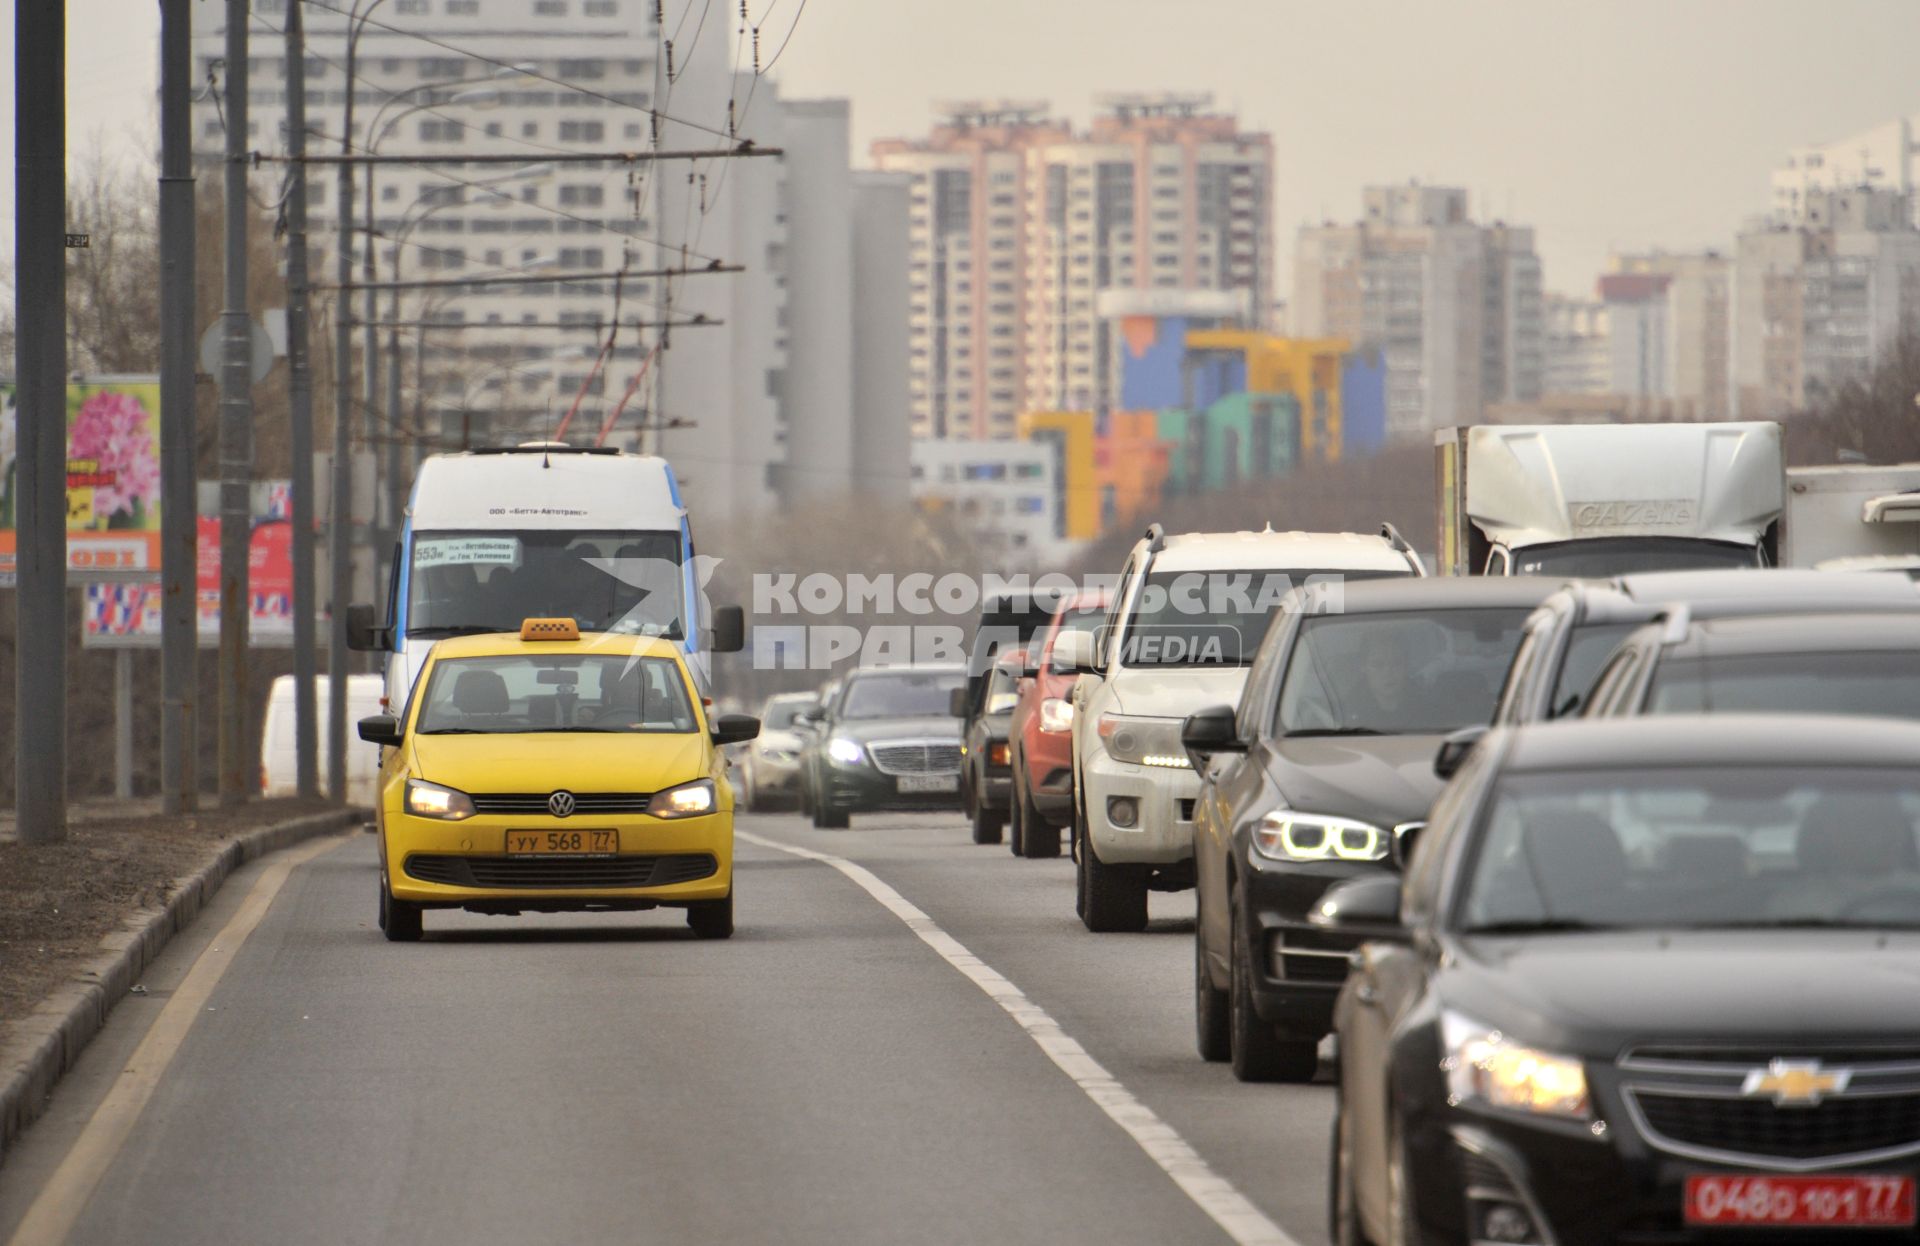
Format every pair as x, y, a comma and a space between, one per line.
381, 729
735, 729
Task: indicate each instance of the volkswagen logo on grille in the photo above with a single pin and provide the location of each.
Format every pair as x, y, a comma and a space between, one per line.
560, 804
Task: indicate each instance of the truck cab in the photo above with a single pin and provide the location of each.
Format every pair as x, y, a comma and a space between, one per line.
1599, 500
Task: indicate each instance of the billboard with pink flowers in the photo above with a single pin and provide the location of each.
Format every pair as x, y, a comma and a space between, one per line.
113, 478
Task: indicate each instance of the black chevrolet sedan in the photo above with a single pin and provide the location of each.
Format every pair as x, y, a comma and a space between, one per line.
1647, 980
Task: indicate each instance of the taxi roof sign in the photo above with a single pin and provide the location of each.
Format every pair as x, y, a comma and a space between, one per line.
549, 629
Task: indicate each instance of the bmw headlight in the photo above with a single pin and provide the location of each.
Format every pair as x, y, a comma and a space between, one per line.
689, 800
1144, 741
1289, 835
846, 752
1484, 1066
430, 800
1056, 716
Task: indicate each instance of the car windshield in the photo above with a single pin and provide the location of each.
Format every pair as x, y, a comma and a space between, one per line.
1588, 649
523, 693
779, 715
1600, 557
465, 582
1212, 618
1396, 672
1885, 683
901, 694
1715, 847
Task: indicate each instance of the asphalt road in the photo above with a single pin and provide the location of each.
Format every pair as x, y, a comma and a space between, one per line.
839, 1072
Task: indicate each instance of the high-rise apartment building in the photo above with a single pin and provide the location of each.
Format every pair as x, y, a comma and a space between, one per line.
1455, 307
1019, 223
1578, 351
1817, 302
1885, 156
1668, 315
737, 402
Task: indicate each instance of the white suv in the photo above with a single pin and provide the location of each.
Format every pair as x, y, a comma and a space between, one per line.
1188, 613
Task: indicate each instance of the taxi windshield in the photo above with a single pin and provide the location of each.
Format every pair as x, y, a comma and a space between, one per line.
524, 693
1711, 847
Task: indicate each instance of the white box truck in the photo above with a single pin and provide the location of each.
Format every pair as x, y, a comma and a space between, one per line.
1607, 499
1853, 517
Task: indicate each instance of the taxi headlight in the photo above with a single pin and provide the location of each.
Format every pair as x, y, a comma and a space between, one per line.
686, 801
430, 800
1056, 716
846, 752
1484, 1066
1289, 835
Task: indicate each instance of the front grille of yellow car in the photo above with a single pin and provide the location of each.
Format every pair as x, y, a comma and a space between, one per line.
527, 872
535, 803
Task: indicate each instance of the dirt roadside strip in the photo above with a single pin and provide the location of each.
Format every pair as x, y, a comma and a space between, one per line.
38, 1051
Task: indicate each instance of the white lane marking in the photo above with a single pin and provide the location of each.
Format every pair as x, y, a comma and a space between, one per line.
50, 1219
1246, 1224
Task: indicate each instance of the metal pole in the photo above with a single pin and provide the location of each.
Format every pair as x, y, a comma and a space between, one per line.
179, 523
236, 426
370, 375
40, 361
396, 462
340, 527
300, 404
123, 723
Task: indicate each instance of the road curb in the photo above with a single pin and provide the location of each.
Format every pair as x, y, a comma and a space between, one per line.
52, 1036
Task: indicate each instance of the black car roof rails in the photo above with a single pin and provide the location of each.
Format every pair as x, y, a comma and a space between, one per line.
1156, 538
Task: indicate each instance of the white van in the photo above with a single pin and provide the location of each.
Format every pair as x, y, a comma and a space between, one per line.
497, 536
278, 762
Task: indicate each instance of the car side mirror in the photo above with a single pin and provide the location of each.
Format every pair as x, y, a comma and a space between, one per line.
381, 729
1074, 652
1400, 847
1365, 908
729, 629
364, 633
1211, 730
957, 702
1453, 750
735, 729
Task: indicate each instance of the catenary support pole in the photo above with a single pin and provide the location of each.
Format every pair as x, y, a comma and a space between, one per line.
300, 404
179, 524
236, 425
340, 521
40, 362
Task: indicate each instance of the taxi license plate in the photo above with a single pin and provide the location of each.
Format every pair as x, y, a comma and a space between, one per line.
929, 782
586, 843
1872, 1201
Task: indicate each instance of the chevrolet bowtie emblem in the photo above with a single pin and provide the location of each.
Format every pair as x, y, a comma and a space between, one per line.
1795, 1083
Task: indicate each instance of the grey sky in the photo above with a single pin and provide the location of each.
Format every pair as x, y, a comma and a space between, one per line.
1619, 124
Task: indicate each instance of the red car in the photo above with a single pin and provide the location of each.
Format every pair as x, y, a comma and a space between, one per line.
1041, 735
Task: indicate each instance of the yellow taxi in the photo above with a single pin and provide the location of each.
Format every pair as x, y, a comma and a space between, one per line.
555, 772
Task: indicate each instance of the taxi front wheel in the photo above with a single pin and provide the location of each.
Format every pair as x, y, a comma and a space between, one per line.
711, 919
399, 919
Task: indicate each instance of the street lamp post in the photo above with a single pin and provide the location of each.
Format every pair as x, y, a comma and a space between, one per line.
340, 529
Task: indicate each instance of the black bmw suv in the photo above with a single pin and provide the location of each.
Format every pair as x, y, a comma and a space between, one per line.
1329, 755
